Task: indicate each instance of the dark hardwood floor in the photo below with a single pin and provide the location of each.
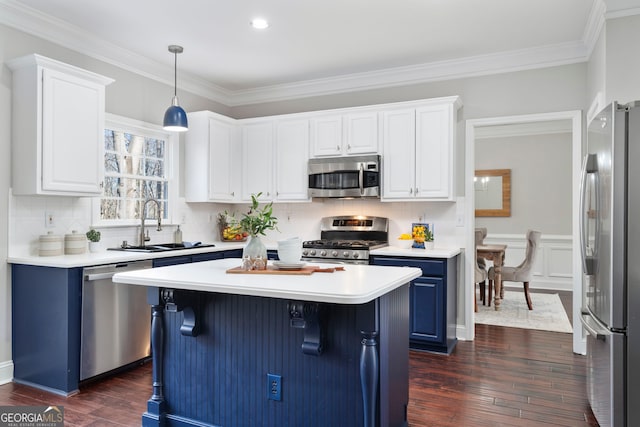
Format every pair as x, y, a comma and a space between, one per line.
505, 377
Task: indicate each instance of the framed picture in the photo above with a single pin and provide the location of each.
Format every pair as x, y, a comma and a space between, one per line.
421, 233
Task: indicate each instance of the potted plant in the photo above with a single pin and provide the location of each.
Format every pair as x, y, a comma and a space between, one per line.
94, 240
428, 237
256, 222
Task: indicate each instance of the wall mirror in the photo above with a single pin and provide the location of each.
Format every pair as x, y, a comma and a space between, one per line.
493, 192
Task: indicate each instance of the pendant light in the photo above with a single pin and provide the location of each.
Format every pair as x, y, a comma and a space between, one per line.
175, 118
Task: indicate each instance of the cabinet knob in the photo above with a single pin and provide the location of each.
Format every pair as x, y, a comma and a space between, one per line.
337, 147
417, 190
233, 193
348, 147
411, 191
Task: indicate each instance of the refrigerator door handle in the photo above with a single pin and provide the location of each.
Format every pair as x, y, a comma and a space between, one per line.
590, 166
592, 327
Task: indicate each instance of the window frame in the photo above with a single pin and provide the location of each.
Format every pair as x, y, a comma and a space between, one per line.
128, 125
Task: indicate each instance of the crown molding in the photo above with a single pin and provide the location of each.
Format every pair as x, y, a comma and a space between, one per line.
31, 21
621, 8
524, 129
504, 62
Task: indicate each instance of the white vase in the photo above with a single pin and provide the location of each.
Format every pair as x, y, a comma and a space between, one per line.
95, 247
428, 245
254, 254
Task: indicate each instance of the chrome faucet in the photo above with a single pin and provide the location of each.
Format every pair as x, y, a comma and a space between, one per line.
145, 237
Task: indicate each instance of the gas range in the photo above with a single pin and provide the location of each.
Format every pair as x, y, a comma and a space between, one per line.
347, 239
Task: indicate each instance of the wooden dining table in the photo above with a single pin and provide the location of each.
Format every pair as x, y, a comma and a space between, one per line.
494, 253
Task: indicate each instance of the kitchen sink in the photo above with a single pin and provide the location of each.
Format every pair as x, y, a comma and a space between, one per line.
163, 247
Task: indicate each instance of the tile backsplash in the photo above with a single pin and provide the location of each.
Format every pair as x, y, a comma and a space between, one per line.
28, 220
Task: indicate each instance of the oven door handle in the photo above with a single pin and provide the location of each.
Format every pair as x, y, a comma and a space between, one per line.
361, 179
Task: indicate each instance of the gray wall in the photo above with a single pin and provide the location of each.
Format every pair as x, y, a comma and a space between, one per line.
623, 59
525, 92
540, 182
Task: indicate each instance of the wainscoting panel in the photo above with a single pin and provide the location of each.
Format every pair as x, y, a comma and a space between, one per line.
552, 269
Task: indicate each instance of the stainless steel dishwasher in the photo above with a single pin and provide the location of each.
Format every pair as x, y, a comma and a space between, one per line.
116, 320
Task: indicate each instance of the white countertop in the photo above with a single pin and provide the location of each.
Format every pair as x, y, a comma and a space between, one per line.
437, 252
357, 284
109, 257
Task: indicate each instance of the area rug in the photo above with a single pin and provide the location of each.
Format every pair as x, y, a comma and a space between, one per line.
547, 314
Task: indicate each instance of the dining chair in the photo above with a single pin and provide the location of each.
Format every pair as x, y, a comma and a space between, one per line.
521, 273
480, 274
481, 233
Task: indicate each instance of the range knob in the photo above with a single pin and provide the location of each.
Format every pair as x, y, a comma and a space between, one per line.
356, 255
305, 252
334, 253
312, 252
323, 253
345, 254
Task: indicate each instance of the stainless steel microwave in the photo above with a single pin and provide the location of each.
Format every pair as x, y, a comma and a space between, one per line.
345, 177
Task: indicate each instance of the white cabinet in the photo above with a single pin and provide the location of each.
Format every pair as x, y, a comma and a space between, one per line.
419, 151
346, 134
212, 159
257, 160
291, 157
57, 128
275, 155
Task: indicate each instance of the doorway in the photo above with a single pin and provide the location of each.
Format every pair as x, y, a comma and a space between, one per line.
475, 129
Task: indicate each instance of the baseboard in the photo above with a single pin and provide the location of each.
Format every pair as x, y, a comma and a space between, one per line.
6, 372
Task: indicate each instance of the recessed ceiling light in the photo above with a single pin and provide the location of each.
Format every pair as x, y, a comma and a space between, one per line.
259, 23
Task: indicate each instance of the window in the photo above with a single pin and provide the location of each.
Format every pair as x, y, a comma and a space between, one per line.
138, 159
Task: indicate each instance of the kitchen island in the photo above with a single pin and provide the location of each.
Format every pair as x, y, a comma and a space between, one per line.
323, 349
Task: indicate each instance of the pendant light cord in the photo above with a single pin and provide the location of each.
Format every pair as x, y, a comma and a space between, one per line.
175, 73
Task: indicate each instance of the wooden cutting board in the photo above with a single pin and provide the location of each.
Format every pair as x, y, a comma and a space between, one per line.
304, 271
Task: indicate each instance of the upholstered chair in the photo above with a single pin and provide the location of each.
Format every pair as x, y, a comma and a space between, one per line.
481, 233
521, 273
480, 274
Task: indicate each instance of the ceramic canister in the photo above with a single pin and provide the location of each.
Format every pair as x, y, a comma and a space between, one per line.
75, 243
50, 244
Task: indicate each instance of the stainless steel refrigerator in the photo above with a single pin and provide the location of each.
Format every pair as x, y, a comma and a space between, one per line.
610, 246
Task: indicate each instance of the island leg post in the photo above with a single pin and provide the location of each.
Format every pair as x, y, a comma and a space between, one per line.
155, 414
369, 376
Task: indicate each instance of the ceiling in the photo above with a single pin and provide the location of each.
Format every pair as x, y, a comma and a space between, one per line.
313, 47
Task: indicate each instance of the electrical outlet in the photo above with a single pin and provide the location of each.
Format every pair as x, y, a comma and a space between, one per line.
183, 219
49, 220
274, 387
210, 218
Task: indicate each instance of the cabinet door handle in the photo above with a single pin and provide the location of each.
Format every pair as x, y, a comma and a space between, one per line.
337, 147
348, 147
411, 191
417, 190
233, 193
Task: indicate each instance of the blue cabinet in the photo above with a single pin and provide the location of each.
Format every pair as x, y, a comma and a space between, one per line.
207, 256
432, 302
45, 339
46, 321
